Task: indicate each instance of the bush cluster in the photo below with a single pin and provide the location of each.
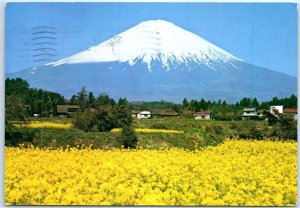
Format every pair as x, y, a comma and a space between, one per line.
105, 119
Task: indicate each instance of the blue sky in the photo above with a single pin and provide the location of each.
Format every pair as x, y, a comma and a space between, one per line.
264, 34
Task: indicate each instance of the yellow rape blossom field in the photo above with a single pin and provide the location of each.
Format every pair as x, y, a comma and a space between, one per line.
45, 124
253, 173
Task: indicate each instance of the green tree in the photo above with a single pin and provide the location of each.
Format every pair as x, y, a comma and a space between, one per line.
255, 103
82, 97
185, 103
104, 119
85, 120
91, 100
74, 100
129, 138
104, 100
245, 103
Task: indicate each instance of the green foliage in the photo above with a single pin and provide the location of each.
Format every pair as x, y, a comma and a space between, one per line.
290, 102
104, 100
91, 103
15, 110
106, 117
84, 121
82, 98
15, 113
129, 138
158, 126
14, 137
284, 127
36, 100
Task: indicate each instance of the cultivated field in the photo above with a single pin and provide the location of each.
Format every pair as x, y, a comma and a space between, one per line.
261, 173
177, 162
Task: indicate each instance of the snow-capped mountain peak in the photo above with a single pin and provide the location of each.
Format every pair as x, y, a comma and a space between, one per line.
149, 41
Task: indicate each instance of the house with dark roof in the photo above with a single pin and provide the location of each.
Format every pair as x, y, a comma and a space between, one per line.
64, 110
134, 113
164, 113
202, 115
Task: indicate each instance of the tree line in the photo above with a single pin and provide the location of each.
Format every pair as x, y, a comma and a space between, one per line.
35, 101
45, 102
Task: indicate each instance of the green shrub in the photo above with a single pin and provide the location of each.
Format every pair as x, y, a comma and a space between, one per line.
14, 136
84, 121
129, 138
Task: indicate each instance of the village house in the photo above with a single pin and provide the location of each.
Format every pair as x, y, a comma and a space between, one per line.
249, 113
203, 115
144, 114
65, 110
276, 109
262, 112
134, 113
291, 111
164, 113
140, 114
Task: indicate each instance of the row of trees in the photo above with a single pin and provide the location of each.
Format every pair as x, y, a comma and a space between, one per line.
87, 99
45, 102
18, 92
197, 105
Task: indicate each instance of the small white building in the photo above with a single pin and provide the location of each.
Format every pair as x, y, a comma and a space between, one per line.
144, 114
249, 113
134, 113
203, 115
276, 109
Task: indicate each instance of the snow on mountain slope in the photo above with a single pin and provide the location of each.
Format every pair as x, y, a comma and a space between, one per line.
153, 40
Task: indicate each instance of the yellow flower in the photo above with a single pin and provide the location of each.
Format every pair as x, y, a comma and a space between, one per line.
235, 173
45, 124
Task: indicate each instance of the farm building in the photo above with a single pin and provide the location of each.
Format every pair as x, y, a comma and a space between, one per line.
164, 113
249, 113
144, 114
291, 111
262, 112
276, 109
134, 113
140, 114
64, 110
203, 115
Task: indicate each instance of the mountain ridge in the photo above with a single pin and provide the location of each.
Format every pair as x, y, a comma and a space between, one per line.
157, 60
151, 40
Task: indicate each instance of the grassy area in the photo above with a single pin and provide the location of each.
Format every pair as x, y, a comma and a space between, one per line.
196, 133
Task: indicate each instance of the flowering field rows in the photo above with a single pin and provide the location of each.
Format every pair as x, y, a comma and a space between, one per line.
45, 124
235, 173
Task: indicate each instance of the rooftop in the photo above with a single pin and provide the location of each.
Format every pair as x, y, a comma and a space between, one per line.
65, 108
290, 110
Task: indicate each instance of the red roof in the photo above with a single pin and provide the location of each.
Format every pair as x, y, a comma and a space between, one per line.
290, 110
202, 113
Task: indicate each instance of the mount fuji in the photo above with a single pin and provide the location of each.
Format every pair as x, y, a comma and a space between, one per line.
157, 60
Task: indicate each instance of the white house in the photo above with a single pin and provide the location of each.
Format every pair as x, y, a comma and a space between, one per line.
276, 109
249, 113
144, 114
203, 115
